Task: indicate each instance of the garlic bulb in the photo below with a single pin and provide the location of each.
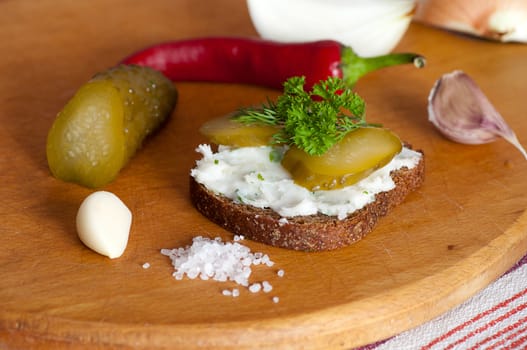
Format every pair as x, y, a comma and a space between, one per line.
369, 27
502, 20
462, 112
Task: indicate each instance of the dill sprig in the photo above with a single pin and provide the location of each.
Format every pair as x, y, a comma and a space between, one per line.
313, 120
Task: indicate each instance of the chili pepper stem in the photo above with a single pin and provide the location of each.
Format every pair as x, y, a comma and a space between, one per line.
354, 67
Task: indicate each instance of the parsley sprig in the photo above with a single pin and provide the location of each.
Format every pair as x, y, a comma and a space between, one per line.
313, 120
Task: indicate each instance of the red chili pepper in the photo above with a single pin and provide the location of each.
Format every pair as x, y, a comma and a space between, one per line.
261, 62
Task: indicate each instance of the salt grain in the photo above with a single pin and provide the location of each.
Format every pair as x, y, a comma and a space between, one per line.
146, 265
235, 292
280, 273
267, 261
255, 287
276, 300
267, 287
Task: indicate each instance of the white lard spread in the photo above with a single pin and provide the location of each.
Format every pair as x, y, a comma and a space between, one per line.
248, 175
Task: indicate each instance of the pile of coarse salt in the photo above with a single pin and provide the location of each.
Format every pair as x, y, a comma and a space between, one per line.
220, 261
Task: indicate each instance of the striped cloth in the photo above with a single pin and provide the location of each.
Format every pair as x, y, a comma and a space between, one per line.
495, 318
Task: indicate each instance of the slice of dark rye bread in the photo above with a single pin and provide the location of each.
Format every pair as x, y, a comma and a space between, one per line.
307, 233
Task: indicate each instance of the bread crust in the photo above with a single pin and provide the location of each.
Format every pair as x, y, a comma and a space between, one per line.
306, 233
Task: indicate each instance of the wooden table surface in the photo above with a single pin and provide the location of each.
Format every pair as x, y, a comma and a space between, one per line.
460, 231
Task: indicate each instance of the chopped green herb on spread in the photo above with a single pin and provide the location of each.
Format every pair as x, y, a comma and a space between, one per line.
239, 198
275, 155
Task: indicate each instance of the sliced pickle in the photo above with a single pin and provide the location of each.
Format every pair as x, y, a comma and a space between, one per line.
355, 157
225, 131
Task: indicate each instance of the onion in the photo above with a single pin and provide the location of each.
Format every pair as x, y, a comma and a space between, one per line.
460, 110
501, 20
369, 27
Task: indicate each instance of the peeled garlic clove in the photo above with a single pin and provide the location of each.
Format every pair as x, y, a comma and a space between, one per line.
371, 28
103, 223
502, 20
462, 112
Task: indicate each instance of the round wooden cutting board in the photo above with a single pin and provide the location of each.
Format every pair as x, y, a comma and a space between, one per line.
461, 230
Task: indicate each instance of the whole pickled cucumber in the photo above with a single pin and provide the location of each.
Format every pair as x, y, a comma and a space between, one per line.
106, 122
